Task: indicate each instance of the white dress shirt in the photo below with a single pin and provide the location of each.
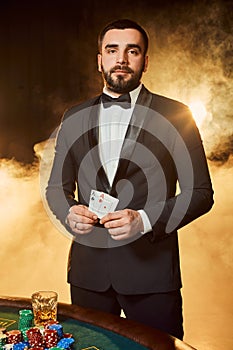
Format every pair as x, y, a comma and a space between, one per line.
113, 124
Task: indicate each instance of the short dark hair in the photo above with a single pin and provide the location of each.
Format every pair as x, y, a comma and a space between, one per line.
123, 24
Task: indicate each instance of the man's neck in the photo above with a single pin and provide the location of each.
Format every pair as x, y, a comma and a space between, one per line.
111, 93
115, 94
133, 94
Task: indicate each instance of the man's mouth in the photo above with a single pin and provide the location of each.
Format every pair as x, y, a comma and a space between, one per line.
121, 70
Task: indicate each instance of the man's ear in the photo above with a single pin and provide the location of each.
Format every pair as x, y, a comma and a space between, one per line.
146, 64
99, 61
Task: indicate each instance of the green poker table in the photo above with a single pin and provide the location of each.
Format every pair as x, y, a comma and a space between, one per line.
95, 330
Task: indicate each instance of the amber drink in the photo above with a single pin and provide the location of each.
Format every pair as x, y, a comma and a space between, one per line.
44, 305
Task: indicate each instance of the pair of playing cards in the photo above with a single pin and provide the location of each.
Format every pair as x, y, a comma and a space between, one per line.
102, 203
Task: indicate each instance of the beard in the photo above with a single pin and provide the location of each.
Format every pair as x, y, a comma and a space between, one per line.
120, 84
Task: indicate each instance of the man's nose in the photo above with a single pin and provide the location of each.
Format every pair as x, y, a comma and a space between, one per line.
122, 57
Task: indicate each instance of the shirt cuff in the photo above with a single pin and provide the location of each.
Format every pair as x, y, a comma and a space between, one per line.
146, 222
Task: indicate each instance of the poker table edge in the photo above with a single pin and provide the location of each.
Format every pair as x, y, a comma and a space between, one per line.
152, 339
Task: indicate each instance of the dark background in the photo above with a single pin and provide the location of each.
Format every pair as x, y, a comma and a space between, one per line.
48, 56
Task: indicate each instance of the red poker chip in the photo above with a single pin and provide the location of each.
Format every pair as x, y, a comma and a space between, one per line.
34, 331
49, 331
67, 335
14, 336
14, 332
50, 338
35, 337
49, 323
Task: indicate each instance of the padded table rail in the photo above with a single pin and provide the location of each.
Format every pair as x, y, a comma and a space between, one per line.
94, 320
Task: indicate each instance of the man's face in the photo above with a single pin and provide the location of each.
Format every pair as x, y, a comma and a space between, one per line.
122, 60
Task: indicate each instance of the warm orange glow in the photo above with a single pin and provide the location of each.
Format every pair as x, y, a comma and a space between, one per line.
198, 111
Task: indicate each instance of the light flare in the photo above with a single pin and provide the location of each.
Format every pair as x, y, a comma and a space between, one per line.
199, 112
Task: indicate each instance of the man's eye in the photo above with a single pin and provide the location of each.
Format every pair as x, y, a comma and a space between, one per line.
111, 51
133, 52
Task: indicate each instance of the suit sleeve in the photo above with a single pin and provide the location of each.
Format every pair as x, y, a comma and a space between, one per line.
60, 192
196, 194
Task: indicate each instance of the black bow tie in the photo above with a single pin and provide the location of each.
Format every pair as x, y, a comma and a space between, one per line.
122, 101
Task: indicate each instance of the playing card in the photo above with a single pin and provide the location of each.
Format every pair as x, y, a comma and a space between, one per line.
102, 203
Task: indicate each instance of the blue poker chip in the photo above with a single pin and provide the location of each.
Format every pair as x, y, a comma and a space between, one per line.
21, 346
65, 343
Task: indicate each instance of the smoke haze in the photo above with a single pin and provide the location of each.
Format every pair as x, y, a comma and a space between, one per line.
194, 61
32, 251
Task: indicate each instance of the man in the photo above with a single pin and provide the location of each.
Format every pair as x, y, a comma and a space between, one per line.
136, 150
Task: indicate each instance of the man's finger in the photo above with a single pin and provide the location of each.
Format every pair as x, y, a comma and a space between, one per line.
111, 216
84, 211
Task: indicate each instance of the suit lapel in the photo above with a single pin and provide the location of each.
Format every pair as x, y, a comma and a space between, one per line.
136, 124
102, 183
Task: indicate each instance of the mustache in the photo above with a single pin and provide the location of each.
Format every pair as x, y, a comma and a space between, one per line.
121, 67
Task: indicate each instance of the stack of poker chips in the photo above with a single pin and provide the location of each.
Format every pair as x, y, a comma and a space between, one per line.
25, 322
14, 341
14, 336
25, 319
49, 337
35, 337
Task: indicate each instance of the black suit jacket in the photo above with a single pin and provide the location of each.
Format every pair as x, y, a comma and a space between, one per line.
162, 147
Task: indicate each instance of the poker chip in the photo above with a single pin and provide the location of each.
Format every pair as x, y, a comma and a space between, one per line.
14, 336
67, 335
49, 323
24, 334
50, 338
65, 343
21, 346
8, 347
25, 319
35, 337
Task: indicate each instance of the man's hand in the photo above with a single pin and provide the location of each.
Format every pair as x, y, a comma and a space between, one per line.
123, 224
80, 219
